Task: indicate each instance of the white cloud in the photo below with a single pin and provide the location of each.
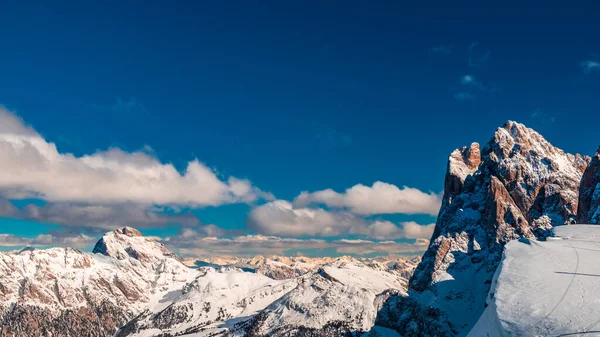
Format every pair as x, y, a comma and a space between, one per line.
105, 217
468, 79
381, 198
33, 167
414, 230
59, 239
387, 230
472, 82
7, 209
9, 240
283, 219
52, 239
100, 218
588, 66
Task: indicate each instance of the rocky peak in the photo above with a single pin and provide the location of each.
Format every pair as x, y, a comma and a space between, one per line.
589, 193
517, 186
129, 231
540, 178
462, 163
127, 242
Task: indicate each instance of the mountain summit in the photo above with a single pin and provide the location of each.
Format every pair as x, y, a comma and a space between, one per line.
517, 186
128, 242
66, 292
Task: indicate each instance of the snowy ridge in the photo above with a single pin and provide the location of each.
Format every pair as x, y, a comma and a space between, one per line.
286, 267
345, 293
546, 288
211, 303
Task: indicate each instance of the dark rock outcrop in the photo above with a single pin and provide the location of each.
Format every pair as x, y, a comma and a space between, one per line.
589, 193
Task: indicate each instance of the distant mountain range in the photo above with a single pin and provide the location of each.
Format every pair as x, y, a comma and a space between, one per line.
516, 187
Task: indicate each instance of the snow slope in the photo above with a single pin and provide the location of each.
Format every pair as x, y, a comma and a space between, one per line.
212, 303
348, 292
546, 288
66, 292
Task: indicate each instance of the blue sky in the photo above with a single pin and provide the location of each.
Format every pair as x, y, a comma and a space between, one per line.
293, 97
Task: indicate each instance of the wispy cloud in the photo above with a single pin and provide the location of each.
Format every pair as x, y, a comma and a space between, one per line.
9, 240
443, 49
464, 96
127, 105
471, 80
467, 79
99, 218
478, 56
328, 137
543, 116
589, 66
51, 239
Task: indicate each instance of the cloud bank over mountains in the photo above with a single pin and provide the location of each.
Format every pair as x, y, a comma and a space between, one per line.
88, 194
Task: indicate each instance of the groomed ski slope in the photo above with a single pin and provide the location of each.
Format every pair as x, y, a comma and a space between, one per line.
547, 288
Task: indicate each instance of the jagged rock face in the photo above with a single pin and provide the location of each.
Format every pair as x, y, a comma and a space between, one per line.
462, 163
589, 193
94, 320
66, 292
517, 186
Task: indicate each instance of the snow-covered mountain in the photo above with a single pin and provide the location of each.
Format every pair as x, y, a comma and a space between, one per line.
66, 292
212, 303
517, 186
133, 286
344, 295
493, 268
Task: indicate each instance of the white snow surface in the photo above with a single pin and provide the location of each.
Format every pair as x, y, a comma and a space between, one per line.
546, 288
216, 300
346, 292
63, 278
